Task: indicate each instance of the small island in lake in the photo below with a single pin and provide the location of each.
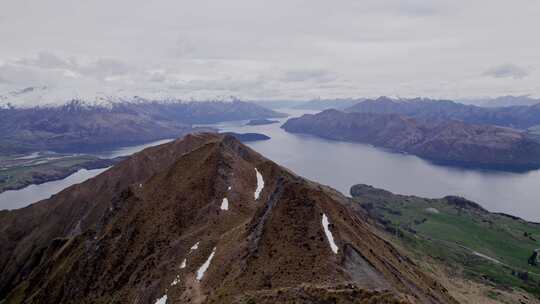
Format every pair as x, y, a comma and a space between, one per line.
260, 122
248, 137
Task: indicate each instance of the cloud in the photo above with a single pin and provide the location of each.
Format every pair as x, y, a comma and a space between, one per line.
313, 75
507, 71
11, 74
101, 68
46, 60
104, 67
278, 49
184, 47
160, 76
412, 8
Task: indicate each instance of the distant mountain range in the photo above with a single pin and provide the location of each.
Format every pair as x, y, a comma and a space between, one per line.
343, 103
324, 104
516, 116
277, 104
45, 96
203, 219
503, 101
447, 141
78, 126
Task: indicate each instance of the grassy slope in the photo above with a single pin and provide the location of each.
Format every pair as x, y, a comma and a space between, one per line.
453, 234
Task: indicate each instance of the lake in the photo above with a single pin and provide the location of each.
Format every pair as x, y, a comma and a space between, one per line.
341, 165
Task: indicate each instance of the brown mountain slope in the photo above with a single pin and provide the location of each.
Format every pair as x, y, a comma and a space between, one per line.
157, 229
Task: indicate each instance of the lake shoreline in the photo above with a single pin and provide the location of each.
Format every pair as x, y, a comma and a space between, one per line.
39, 179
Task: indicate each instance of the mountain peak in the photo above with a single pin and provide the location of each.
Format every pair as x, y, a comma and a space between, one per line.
199, 220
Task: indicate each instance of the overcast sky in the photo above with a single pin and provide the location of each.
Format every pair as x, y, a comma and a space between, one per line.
274, 49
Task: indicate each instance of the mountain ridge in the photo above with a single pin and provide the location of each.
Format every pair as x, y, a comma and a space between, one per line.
518, 116
157, 221
504, 101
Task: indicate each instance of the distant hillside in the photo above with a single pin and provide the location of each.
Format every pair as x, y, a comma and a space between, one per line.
324, 104
444, 141
457, 239
78, 126
277, 104
504, 101
521, 117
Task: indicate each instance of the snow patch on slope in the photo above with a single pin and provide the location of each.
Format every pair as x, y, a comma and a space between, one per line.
183, 265
176, 280
328, 233
225, 204
162, 300
260, 184
195, 247
204, 267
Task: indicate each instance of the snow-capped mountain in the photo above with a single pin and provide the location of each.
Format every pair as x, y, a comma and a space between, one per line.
33, 119
46, 96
